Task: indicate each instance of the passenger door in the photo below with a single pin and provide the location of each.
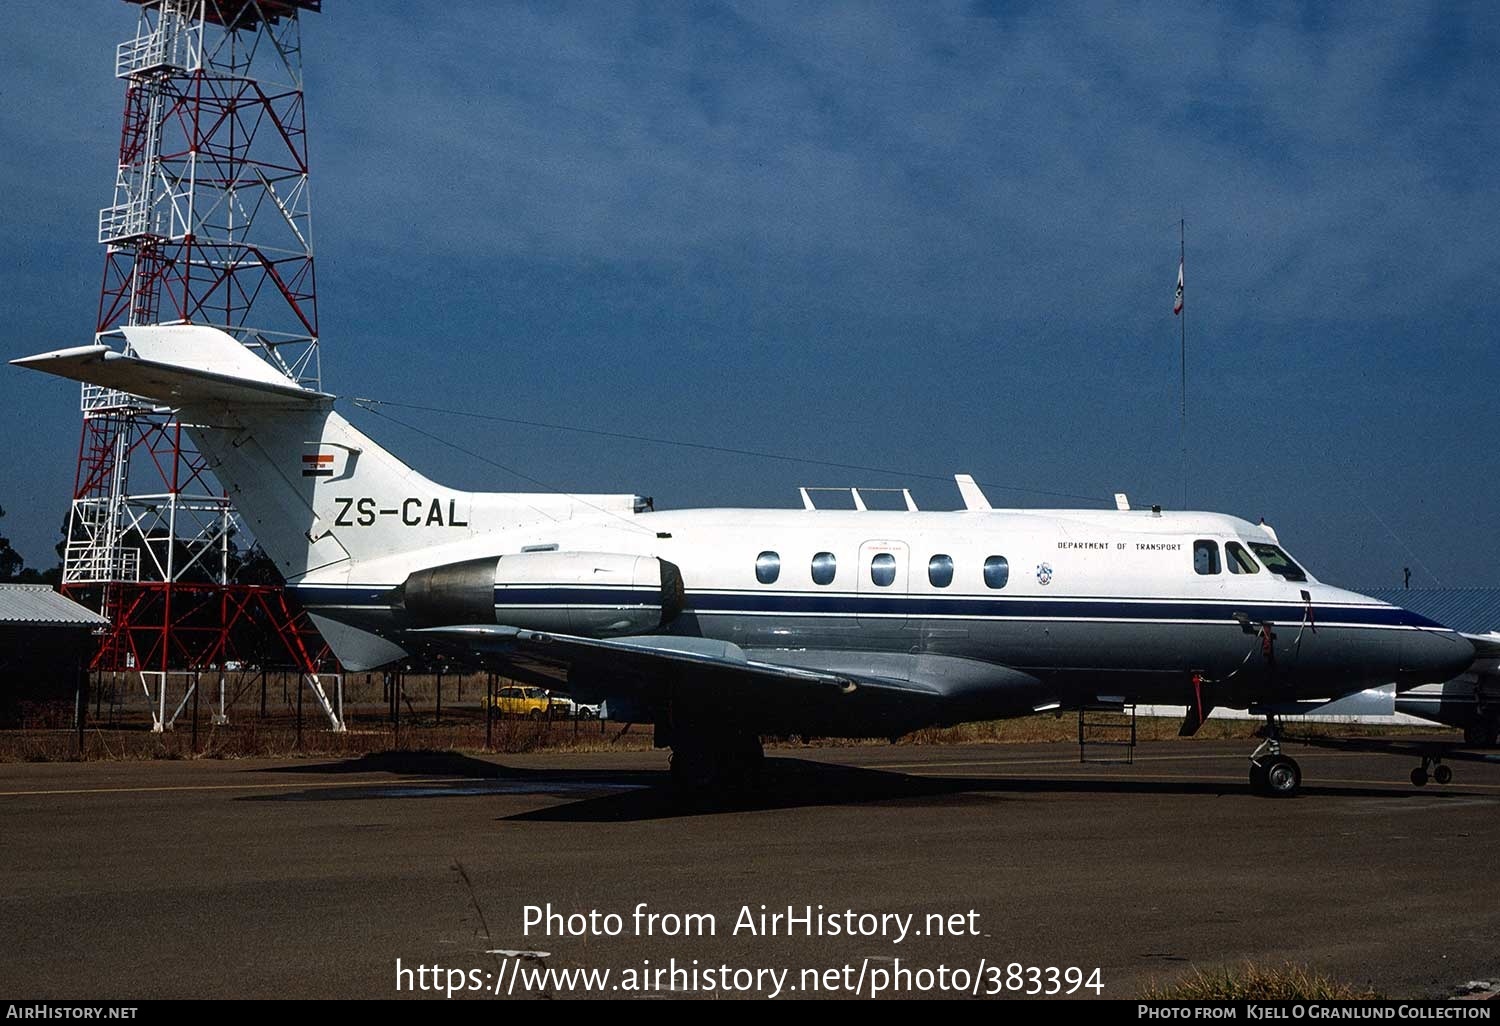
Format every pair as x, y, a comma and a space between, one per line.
882, 572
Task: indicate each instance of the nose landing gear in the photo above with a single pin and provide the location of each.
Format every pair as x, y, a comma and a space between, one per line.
1273, 774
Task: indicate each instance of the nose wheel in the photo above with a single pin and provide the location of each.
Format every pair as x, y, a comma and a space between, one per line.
1273, 774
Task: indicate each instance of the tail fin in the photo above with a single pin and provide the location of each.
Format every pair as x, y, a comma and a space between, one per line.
319, 495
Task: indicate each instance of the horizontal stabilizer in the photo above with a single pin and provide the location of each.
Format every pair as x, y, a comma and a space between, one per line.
179, 365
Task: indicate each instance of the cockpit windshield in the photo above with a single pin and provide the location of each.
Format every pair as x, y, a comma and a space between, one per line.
1278, 562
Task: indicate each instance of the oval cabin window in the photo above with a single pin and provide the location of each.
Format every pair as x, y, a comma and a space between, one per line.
767, 567
940, 571
824, 566
996, 571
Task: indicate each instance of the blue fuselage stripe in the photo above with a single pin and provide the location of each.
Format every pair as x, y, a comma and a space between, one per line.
794, 604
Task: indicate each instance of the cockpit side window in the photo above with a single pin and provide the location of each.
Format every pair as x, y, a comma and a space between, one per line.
1205, 556
1278, 562
1238, 560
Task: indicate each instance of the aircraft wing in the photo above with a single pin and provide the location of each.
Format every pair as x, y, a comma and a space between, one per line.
650, 654
714, 678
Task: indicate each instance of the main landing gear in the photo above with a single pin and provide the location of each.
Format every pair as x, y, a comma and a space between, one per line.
1271, 773
712, 766
1483, 733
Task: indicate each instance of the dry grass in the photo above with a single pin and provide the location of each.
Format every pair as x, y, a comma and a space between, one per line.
252, 739
462, 730
1251, 982
262, 713
262, 719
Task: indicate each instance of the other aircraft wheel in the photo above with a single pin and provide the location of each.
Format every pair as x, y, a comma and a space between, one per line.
1419, 776
1283, 776
1442, 774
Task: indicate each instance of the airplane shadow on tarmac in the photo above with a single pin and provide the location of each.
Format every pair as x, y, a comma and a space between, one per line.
600, 796
797, 783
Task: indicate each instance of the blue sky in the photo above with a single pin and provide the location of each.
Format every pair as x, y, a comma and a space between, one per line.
935, 238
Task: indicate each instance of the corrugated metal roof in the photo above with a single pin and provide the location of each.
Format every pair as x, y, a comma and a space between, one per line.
1470, 610
39, 604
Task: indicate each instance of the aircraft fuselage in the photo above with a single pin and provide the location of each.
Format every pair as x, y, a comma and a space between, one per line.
1010, 611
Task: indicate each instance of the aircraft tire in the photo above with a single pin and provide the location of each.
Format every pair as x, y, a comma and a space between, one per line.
1258, 784
692, 774
1442, 774
1419, 777
1283, 776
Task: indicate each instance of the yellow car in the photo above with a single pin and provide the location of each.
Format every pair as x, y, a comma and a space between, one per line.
516, 700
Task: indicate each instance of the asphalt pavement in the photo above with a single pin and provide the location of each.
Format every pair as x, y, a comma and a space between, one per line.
307, 878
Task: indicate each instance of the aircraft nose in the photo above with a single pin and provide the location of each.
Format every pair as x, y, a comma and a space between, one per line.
1431, 656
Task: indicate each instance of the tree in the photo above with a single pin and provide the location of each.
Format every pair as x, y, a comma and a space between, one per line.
11, 561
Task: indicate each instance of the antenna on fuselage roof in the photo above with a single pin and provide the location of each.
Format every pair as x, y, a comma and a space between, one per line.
1122, 502
854, 494
972, 494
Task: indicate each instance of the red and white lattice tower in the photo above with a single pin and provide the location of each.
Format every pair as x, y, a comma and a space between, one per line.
209, 225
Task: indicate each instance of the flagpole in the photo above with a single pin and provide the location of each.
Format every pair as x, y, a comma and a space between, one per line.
1182, 425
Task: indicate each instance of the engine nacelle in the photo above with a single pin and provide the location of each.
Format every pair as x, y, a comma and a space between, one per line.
593, 594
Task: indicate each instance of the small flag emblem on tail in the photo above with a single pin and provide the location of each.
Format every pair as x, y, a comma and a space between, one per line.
317, 465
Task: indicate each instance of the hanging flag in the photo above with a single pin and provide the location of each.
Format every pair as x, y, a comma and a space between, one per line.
1177, 303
